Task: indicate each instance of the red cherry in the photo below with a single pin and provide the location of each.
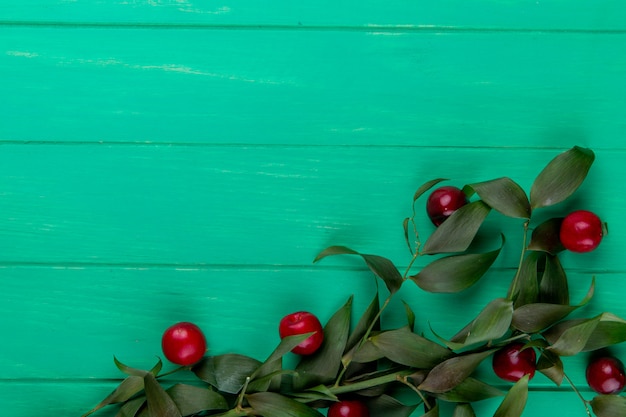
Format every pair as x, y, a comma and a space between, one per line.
581, 231
606, 375
302, 322
511, 362
183, 343
348, 409
443, 202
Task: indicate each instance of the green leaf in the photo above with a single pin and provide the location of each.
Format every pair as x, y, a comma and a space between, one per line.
611, 330
525, 286
433, 412
545, 237
553, 287
458, 231
323, 365
455, 273
126, 390
410, 315
131, 408
451, 372
270, 404
367, 352
505, 196
464, 410
532, 318
320, 392
491, 323
227, 372
515, 400
561, 177
550, 365
364, 323
190, 399
387, 406
381, 267
407, 348
425, 187
137, 372
609, 406
470, 390
570, 337
159, 402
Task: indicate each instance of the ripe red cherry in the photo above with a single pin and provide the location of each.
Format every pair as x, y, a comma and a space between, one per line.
183, 343
348, 409
606, 375
581, 231
443, 202
511, 363
302, 322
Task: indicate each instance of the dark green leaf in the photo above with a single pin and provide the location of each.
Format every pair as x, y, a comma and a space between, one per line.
320, 392
550, 365
323, 365
381, 267
137, 372
129, 387
227, 372
191, 399
159, 402
570, 337
425, 187
131, 408
387, 406
433, 412
410, 316
405, 226
561, 177
532, 318
407, 348
451, 372
470, 390
364, 323
270, 404
515, 400
611, 330
463, 410
504, 195
609, 406
525, 286
491, 323
458, 231
545, 237
455, 273
367, 352
554, 288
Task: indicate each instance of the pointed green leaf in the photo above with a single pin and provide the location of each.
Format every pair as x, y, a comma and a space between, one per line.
323, 365
387, 406
470, 390
405, 226
525, 286
433, 412
190, 399
126, 390
270, 404
550, 365
227, 372
426, 186
451, 372
553, 287
515, 400
367, 352
455, 273
505, 196
320, 392
131, 408
611, 330
407, 348
137, 372
464, 410
570, 337
410, 315
364, 323
561, 177
545, 237
381, 267
491, 323
159, 402
532, 318
609, 406
458, 231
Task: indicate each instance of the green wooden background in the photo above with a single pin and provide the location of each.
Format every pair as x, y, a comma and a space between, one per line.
166, 160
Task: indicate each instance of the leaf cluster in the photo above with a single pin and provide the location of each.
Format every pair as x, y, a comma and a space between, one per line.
361, 359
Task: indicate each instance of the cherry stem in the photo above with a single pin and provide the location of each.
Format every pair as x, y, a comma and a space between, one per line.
369, 383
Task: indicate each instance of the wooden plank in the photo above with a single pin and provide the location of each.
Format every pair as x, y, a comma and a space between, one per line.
241, 205
312, 87
518, 14
73, 320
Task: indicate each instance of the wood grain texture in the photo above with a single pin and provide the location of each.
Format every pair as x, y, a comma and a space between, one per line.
443, 88
499, 14
183, 160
